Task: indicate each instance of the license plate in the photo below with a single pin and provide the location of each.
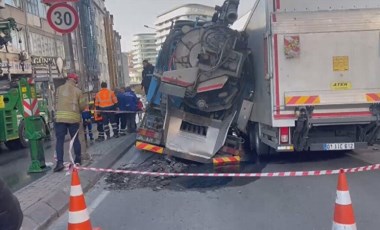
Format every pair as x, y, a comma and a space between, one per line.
339, 146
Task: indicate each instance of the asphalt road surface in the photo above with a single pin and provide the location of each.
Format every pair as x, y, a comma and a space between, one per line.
14, 165
237, 203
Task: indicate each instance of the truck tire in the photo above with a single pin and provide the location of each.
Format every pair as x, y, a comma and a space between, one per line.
23, 142
255, 143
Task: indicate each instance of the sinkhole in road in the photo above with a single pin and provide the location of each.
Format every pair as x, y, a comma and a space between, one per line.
159, 163
169, 165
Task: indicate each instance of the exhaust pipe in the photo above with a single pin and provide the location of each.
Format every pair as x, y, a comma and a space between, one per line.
228, 13
232, 11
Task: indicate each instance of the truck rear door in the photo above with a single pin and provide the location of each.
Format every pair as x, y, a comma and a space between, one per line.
326, 59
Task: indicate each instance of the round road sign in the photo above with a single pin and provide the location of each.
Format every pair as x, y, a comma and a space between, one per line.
63, 18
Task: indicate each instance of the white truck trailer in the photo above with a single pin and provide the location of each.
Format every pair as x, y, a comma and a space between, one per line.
303, 75
316, 74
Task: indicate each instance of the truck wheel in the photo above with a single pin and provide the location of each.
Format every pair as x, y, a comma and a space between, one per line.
259, 147
23, 142
251, 137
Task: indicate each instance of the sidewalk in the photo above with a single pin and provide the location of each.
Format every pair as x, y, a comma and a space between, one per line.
45, 199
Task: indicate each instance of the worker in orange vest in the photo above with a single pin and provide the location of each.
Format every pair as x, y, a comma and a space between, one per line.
106, 102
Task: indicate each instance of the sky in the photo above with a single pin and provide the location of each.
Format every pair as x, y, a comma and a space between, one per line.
130, 16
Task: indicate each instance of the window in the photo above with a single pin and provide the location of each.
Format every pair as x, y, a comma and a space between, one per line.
15, 45
75, 52
15, 3
42, 9
61, 50
32, 7
44, 46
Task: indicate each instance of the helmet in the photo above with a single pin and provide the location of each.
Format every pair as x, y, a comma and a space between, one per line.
73, 76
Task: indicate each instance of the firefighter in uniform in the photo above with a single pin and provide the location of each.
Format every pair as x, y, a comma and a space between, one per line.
106, 102
70, 103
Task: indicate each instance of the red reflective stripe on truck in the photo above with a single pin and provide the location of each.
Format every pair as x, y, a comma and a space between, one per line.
293, 100
312, 100
373, 97
140, 145
149, 147
155, 149
278, 4
302, 100
176, 81
210, 87
325, 115
343, 114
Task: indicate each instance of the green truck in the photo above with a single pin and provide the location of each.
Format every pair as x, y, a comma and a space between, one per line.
12, 128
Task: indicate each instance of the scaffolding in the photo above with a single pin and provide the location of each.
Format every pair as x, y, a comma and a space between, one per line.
89, 41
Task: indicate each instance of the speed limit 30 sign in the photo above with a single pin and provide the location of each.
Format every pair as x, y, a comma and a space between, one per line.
63, 18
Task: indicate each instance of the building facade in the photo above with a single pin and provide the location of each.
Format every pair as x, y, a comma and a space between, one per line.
84, 51
125, 63
100, 13
144, 48
34, 36
110, 46
119, 61
190, 12
89, 45
134, 74
113, 46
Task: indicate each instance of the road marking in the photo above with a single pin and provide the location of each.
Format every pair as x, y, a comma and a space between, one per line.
97, 201
361, 158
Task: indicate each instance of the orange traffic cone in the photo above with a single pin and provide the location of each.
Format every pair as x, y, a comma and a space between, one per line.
79, 218
344, 218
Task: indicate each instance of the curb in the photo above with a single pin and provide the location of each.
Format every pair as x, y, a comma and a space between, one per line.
41, 214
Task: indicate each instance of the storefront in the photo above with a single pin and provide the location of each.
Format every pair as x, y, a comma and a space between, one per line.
11, 64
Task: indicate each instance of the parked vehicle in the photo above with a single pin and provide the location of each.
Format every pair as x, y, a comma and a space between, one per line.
12, 127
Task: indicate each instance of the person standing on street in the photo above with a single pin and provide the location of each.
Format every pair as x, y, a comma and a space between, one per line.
10, 211
122, 116
131, 99
70, 103
147, 74
106, 102
99, 125
87, 124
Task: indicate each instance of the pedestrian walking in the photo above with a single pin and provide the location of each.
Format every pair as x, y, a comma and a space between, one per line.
10, 211
147, 74
87, 124
106, 102
122, 115
69, 105
131, 99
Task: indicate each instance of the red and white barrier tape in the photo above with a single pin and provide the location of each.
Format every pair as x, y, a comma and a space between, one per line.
117, 111
270, 174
